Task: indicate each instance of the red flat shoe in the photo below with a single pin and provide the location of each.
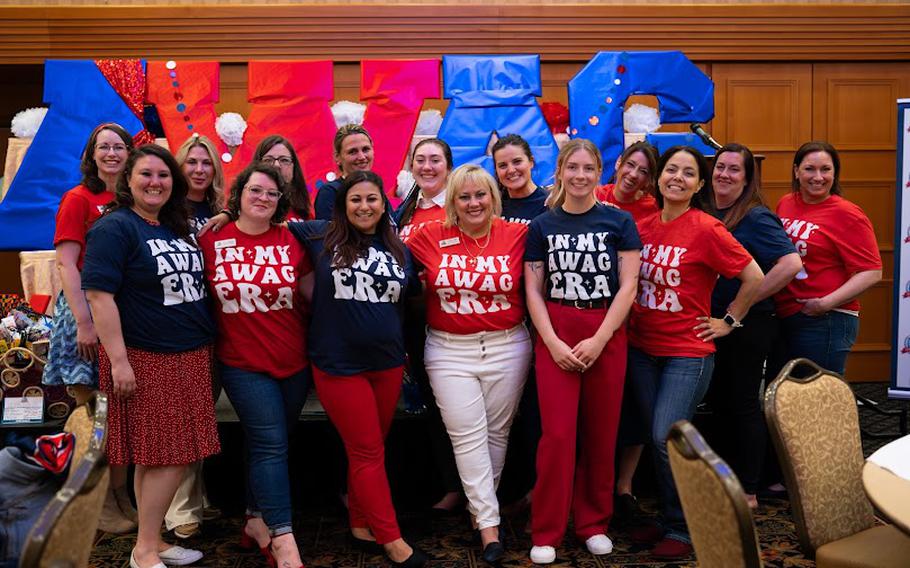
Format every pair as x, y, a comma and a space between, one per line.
671, 549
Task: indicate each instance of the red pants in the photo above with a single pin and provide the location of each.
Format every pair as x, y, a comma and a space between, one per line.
361, 407
588, 401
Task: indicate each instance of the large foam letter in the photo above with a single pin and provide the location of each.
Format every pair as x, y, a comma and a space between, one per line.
494, 94
80, 98
291, 98
598, 93
184, 94
394, 92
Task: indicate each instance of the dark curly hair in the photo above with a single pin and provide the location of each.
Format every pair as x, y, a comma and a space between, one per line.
344, 241
88, 166
284, 203
175, 213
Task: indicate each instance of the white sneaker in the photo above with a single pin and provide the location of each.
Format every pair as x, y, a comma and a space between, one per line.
179, 556
543, 554
599, 544
134, 564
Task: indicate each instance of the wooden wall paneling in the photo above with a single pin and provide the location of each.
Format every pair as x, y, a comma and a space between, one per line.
854, 103
854, 109
767, 107
236, 33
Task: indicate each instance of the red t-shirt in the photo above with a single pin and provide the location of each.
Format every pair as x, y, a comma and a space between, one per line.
79, 209
471, 290
680, 261
420, 218
258, 307
641, 208
835, 240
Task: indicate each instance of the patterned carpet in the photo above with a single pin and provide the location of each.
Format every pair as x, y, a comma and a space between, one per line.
321, 526
450, 542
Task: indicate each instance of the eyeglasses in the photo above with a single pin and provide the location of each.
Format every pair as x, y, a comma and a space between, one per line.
105, 148
258, 192
282, 161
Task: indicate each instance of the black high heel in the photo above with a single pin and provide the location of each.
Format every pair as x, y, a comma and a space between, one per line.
366, 546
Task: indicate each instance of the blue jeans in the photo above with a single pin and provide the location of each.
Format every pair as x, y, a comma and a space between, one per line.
825, 339
268, 409
666, 390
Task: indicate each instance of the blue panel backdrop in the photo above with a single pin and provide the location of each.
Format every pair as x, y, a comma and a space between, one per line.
79, 98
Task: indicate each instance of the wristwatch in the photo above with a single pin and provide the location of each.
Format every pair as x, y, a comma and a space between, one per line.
732, 321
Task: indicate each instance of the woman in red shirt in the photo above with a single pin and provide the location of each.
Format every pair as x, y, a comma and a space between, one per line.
636, 172
73, 355
478, 349
671, 330
818, 309
254, 267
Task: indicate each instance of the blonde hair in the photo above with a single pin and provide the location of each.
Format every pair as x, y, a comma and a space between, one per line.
470, 173
558, 194
214, 195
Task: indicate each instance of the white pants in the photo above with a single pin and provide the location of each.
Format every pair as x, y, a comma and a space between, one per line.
189, 500
477, 381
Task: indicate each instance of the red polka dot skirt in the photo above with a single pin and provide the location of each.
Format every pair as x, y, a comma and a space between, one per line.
170, 419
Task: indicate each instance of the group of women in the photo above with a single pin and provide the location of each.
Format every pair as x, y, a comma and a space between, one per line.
628, 301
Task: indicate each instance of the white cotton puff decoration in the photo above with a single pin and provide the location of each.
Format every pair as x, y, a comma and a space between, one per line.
27, 122
346, 112
230, 127
429, 122
405, 183
641, 118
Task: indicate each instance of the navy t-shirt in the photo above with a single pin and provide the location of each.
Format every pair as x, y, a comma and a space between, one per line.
157, 279
325, 199
201, 212
762, 234
580, 251
357, 312
525, 209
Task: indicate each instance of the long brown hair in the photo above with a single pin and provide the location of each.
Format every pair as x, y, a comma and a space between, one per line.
751, 195
88, 166
297, 190
344, 242
175, 214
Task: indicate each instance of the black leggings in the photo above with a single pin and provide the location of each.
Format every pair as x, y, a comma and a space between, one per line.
735, 396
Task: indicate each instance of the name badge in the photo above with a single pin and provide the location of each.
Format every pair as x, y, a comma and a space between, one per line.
449, 242
225, 243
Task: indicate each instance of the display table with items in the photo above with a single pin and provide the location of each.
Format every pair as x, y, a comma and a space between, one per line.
24, 401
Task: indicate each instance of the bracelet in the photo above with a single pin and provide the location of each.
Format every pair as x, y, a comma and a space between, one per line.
228, 213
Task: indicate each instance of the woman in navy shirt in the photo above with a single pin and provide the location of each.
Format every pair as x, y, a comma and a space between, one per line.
740, 358
361, 274
522, 199
581, 268
144, 280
